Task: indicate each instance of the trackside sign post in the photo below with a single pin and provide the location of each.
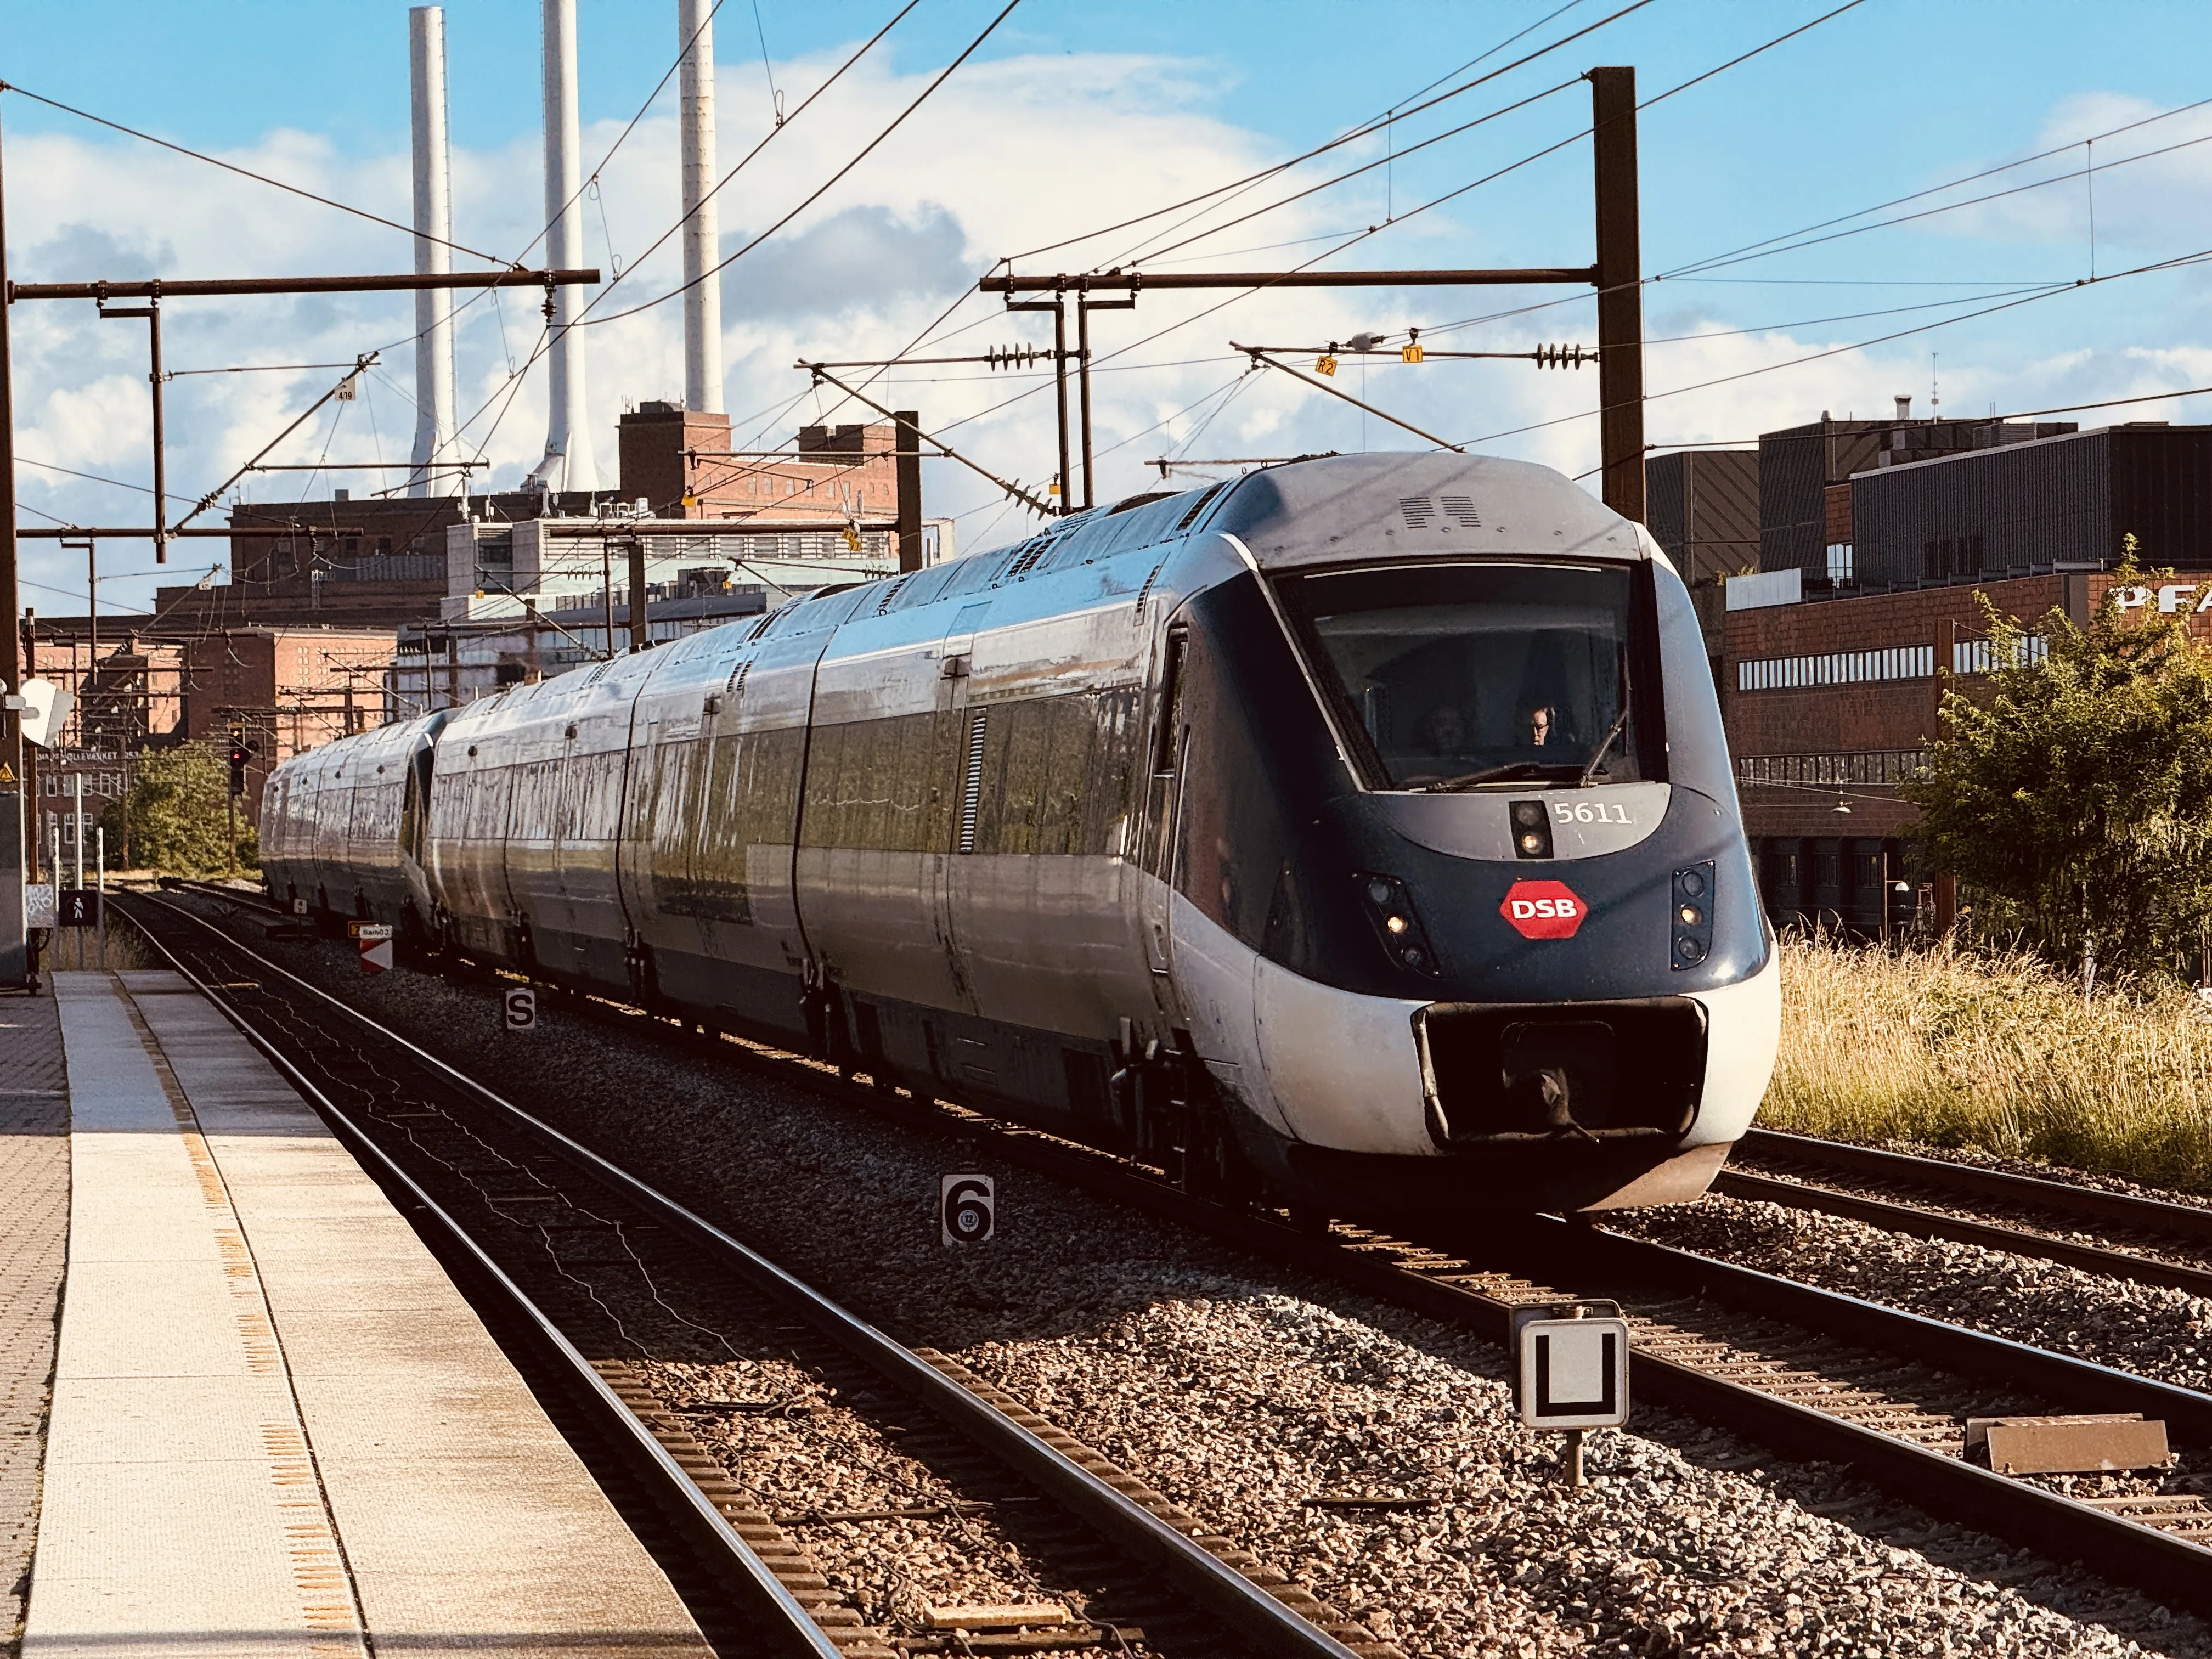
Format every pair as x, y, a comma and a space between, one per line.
966, 1208
518, 1005
375, 940
1571, 1371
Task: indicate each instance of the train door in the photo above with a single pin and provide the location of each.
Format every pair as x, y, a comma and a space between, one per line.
1168, 742
947, 876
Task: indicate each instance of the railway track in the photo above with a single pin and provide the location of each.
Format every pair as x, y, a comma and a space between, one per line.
1809, 1372
1132, 1573
2145, 1240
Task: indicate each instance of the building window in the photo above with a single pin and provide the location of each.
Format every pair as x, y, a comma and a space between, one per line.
1839, 562
1904, 662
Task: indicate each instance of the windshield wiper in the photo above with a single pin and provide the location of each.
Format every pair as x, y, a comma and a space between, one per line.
1512, 771
1611, 738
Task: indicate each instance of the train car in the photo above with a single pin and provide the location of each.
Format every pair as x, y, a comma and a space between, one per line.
1359, 834
342, 825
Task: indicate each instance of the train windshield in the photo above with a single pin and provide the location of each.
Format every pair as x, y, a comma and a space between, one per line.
1467, 676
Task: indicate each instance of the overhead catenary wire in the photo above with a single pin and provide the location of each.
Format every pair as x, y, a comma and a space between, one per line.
829, 184
1434, 201
515, 376
1361, 131
248, 173
2177, 262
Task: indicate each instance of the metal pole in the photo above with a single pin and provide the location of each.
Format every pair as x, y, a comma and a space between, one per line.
908, 489
102, 919
76, 811
15, 824
1947, 885
607, 591
1082, 380
1619, 291
639, 630
160, 449
92, 629
1059, 377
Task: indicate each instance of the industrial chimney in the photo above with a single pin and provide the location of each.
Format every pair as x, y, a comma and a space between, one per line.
568, 463
703, 294
433, 230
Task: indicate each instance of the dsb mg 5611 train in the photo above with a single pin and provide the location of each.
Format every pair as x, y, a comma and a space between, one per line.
1359, 834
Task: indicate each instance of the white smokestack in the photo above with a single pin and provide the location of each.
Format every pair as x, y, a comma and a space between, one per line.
434, 217
568, 463
703, 298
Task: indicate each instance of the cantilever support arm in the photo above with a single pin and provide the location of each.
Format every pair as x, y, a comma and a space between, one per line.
946, 450
1259, 356
367, 361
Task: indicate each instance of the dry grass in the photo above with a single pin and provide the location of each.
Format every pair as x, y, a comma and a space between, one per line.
1955, 1049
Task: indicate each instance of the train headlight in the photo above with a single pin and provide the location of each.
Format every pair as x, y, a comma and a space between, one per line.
1391, 909
1532, 828
1693, 930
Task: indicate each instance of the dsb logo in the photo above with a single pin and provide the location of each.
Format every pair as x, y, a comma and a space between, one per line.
1543, 909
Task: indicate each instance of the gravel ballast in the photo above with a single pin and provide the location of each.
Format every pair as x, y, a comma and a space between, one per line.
1241, 1389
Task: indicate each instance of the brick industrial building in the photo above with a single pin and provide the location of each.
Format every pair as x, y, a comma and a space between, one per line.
1867, 583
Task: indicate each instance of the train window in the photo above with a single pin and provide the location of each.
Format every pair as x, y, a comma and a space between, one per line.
1169, 721
1464, 675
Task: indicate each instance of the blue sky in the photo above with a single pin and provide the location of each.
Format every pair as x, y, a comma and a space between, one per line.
1070, 115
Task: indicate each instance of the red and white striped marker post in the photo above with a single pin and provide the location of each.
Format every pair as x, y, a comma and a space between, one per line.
376, 941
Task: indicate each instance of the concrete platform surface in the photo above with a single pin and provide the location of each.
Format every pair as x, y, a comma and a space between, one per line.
276, 1427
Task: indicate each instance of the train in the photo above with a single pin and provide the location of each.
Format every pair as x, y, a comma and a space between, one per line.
1355, 836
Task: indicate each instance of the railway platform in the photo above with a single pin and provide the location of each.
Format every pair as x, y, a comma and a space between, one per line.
274, 1426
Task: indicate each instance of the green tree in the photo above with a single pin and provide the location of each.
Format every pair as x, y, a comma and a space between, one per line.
179, 814
2075, 796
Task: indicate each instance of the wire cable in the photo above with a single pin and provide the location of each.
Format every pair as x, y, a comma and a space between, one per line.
867, 150
248, 173
2179, 261
1359, 132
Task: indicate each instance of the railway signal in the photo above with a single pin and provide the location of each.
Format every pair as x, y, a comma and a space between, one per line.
1571, 1371
242, 750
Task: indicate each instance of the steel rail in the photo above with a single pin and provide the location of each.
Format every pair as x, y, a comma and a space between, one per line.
2127, 1551
1209, 1582
2184, 1221
792, 1630
1919, 1223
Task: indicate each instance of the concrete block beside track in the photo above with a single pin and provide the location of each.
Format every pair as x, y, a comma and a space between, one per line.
277, 1427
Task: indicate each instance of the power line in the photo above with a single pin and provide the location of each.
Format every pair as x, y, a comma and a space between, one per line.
867, 150
248, 173
1359, 132
1387, 161
515, 376
1953, 207
1733, 256
2177, 262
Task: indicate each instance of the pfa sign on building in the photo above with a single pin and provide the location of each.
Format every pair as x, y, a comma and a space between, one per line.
1572, 1373
966, 1208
